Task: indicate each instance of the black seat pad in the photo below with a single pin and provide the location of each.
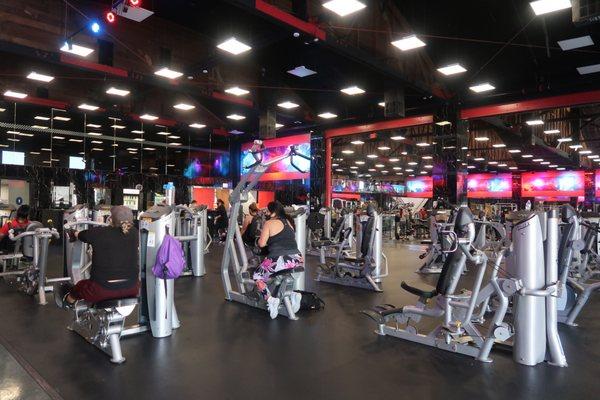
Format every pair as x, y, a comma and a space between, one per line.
418, 292
128, 301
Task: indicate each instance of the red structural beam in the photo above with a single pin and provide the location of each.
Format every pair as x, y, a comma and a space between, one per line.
289, 19
532, 105
38, 101
93, 66
379, 126
232, 99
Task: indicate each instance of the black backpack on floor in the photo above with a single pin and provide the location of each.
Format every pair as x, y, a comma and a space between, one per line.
310, 301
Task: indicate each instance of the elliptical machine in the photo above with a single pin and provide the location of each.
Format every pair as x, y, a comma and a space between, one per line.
235, 260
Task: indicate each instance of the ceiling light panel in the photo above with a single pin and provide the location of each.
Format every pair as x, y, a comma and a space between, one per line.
327, 115
576, 43
234, 46
117, 92
542, 7
452, 69
78, 50
237, 91
482, 87
288, 105
40, 77
168, 73
409, 43
302, 72
184, 106
352, 90
344, 7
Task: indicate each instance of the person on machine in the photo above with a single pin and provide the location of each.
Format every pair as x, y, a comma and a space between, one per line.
250, 225
278, 234
19, 223
114, 270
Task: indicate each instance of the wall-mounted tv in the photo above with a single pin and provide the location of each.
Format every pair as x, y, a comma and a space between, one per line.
489, 186
282, 170
421, 186
553, 184
13, 157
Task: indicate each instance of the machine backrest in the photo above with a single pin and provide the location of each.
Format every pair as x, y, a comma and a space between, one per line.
368, 232
315, 221
480, 235
27, 242
337, 228
456, 260
589, 239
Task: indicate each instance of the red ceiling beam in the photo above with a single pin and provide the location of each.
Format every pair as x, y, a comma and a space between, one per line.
532, 105
232, 99
38, 101
93, 66
289, 19
379, 126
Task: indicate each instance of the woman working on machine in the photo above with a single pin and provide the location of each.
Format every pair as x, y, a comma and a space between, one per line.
115, 270
278, 234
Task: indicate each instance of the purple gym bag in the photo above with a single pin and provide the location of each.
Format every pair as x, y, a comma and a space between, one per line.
169, 259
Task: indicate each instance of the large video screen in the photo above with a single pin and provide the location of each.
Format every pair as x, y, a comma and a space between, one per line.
421, 186
553, 184
597, 183
489, 186
206, 165
282, 170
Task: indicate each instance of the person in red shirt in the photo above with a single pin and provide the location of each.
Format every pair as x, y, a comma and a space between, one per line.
20, 222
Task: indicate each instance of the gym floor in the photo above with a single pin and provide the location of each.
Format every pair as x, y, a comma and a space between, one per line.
231, 351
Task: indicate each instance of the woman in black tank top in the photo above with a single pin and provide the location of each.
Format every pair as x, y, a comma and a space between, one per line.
278, 234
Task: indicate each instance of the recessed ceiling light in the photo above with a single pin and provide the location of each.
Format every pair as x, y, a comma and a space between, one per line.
576, 43
527, 156
327, 115
359, 162
576, 146
372, 170
76, 49
184, 106
94, 134
513, 168
58, 137
117, 92
589, 69
97, 149
553, 166
197, 125
470, 167
301, 72
348, 151
88, 107
534, 122
287, 105
93, 126
443, 123
394, 159
96, 141
76, 140
593, 156
563, 140
397, 168
560, 169
149, 117
585, 152
17, 95
234, 46
168, 73
357, 142
379, 165
545, 163
412, 163
174, 137
39, 127
277, 125
409, 43
353, 167
139, 139
139, 132
383, 148
41, 118
162, 133
13, 140
423, 144
175, 144
482, 87
409, 170
493, 162
352, 90
541, 7
40, 77
514, 151
551, 131
397, 137
452, 69
482, 139
344, 7
59, 118
479, 159
372, 156
236, 117
118, 126
236, 91
404, 153
537, 160
499, 145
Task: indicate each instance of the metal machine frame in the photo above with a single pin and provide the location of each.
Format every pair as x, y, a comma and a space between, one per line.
191, 231
235, 259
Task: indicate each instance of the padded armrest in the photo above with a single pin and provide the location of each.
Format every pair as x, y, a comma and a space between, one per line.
418, 292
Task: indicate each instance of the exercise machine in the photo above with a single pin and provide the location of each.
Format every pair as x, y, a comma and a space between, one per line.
191, 231
369, 265
235, 259
103, 324
529, 280
31, 252
326, 247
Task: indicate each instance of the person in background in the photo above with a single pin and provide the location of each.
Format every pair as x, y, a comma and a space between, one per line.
19, 223
221, 220
278, 234
250, 225
115, 256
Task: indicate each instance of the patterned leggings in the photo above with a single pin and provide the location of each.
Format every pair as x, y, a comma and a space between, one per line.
269, 266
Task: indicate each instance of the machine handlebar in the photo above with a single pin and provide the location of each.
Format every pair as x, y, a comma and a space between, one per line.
70, 225
49, 232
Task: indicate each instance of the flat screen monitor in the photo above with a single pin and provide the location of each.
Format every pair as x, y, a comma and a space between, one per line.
76, 162
421, 187
13, 157
489, 186
553, 184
